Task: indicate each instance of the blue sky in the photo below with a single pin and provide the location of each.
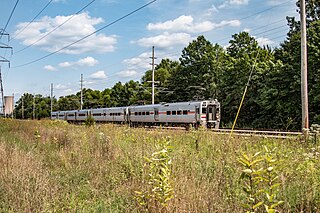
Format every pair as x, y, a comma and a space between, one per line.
121, 52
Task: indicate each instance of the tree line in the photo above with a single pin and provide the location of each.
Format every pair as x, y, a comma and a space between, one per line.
205, 71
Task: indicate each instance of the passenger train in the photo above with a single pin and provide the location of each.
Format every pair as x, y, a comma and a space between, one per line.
195, 113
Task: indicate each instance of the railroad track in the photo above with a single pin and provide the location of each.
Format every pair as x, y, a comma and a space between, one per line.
258, 133
245, 133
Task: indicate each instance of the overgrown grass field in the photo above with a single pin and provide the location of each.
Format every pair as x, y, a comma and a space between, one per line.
51, 166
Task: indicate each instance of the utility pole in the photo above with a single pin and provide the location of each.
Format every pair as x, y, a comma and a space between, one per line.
152, 64
1, 91
22, 108
51, 97
12, 105
33, 108
304, 70
81, 85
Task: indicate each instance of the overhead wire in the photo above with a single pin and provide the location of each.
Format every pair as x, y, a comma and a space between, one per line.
152, 2
265, 10
5, 27
77, 41
57, 27
39, 13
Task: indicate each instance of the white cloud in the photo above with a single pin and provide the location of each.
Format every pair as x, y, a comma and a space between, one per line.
60, 86
139, 62
98, 75
165, 40
49, 68
264, 41
233, 2
186, 24
213, 9
88, 61
65, 64
248, 30
127, 73
77, 27
239, 2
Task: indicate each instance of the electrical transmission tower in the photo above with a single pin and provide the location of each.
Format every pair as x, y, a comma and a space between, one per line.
3, 60
2, 95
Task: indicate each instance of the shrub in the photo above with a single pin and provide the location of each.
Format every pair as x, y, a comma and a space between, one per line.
90, 121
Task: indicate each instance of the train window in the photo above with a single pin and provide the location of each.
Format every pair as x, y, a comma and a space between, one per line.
143, 113
139, 113
104, 114
210, 110
197, 111
185, 112
179, 112
82, 114
204, 110
174, 112
119, 114
135, 113
168, 112
148, 113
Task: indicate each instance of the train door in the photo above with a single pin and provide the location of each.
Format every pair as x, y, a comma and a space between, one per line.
126, 115
197, 113
211, 113
129, 115
156, 114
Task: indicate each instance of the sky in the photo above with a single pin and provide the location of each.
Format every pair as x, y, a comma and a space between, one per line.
42, 51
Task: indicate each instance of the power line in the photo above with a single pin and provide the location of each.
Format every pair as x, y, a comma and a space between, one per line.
265, 10
54, 29
102, 28
32, 20
5, 27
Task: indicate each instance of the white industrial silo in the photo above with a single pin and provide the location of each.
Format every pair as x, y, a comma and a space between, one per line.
8, 105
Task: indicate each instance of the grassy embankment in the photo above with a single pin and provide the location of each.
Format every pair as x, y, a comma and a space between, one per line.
54, 166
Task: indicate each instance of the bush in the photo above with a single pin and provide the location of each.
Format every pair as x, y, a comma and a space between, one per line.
90, 121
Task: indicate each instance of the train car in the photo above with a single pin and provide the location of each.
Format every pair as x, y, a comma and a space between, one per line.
99, 114
144, 114
82, 115
62, 115
117, 114
54, 115
196, 113
71, 115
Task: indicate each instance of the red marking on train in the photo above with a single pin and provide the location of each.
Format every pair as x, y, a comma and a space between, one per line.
203, 116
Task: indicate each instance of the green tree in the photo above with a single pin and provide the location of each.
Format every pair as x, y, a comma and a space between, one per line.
164, 72
69, 102
197, 77
27, 102
244, 56
290, 54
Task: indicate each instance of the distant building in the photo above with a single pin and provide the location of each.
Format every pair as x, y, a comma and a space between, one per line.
8, 105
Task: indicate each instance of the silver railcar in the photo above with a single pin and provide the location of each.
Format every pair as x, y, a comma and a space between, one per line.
196, 113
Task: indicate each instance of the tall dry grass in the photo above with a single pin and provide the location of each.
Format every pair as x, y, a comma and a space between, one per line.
54, 166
